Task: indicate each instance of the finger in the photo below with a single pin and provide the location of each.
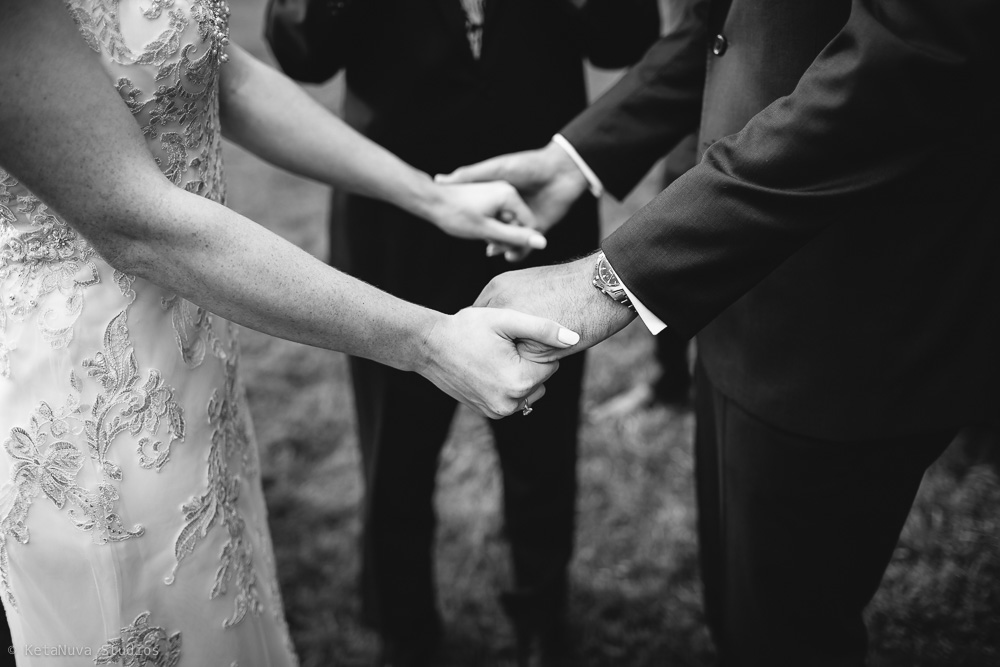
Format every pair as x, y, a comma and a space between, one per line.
515, 255
521, 326
487, 170
522, 214
512, 235
539, 353
512, 255
534, 396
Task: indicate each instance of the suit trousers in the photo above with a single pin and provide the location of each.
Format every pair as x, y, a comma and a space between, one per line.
795, 533
403, 424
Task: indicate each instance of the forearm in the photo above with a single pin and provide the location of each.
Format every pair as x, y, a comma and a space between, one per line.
565, 293
235, 268
89, 163
273, 117
655, 105
849, 146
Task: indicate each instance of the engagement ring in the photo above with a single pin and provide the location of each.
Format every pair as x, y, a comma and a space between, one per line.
527, 408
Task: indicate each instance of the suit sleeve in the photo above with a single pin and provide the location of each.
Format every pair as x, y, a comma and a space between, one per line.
310, 39
655, 105
901, 81
616, 33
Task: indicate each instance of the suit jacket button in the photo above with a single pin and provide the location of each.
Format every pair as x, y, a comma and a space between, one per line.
719, 45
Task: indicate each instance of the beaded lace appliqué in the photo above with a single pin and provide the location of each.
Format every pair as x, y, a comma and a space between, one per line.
141, 645
44, 264
46, 267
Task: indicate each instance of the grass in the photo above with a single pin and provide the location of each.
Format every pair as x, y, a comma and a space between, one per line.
636, 599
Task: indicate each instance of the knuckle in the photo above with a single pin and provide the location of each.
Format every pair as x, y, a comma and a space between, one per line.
504, 408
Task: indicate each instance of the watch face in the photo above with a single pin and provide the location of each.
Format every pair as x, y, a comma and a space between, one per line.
606, 275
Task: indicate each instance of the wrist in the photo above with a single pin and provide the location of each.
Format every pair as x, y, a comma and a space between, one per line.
605, 315
571, 169
424, 354
424, 199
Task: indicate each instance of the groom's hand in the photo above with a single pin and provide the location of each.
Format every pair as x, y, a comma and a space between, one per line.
547, 179
561, 292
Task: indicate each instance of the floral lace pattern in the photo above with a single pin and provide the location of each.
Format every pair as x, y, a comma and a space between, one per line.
121, 406
141, 645
44, 263
192, 331
230, 442
137, 448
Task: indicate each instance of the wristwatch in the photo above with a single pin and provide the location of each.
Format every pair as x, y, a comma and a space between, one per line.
606, 280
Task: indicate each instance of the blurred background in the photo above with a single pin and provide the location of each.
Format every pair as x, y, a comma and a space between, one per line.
636, 592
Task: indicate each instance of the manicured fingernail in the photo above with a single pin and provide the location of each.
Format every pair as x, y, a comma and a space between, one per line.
568, 337
537, 241
492, 250
510, 256
439, 177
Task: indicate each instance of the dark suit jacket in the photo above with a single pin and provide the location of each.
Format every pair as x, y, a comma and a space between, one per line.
414, 87
837, 246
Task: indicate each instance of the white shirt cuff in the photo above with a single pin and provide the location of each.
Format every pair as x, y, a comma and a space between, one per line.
593, 182
652, 322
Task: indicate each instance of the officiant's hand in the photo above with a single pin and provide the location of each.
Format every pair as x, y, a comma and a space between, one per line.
547, 178
474, 357
562, 292
490, 211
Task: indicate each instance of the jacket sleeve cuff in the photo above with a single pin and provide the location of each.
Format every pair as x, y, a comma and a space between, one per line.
652, 322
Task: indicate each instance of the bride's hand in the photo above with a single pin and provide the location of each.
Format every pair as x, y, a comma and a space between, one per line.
472, 356
484, 211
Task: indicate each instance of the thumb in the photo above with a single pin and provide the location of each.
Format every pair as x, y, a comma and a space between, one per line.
539, 339
487, 170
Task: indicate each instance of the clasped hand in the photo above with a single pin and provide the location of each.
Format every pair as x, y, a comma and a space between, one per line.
491, 211
547, 179
560, 292
473, 356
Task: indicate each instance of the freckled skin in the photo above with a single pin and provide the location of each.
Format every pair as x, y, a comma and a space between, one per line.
68, 137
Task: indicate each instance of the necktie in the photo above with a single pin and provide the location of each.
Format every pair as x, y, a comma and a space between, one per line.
474, 24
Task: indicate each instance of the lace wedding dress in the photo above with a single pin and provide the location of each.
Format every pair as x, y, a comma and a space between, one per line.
132, 524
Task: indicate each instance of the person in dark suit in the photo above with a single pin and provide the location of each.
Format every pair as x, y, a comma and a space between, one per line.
442, 83
835, 251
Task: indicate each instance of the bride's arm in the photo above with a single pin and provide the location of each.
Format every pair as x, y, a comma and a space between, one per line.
273, 117
67, 135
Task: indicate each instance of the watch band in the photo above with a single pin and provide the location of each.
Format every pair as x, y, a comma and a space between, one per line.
606, 280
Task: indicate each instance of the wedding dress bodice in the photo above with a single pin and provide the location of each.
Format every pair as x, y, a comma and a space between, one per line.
132, 523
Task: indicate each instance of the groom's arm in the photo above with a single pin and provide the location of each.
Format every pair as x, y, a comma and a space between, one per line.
655, 105
885, 96
884, 99
651, 109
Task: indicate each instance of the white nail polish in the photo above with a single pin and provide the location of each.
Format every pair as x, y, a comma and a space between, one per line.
568, 337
